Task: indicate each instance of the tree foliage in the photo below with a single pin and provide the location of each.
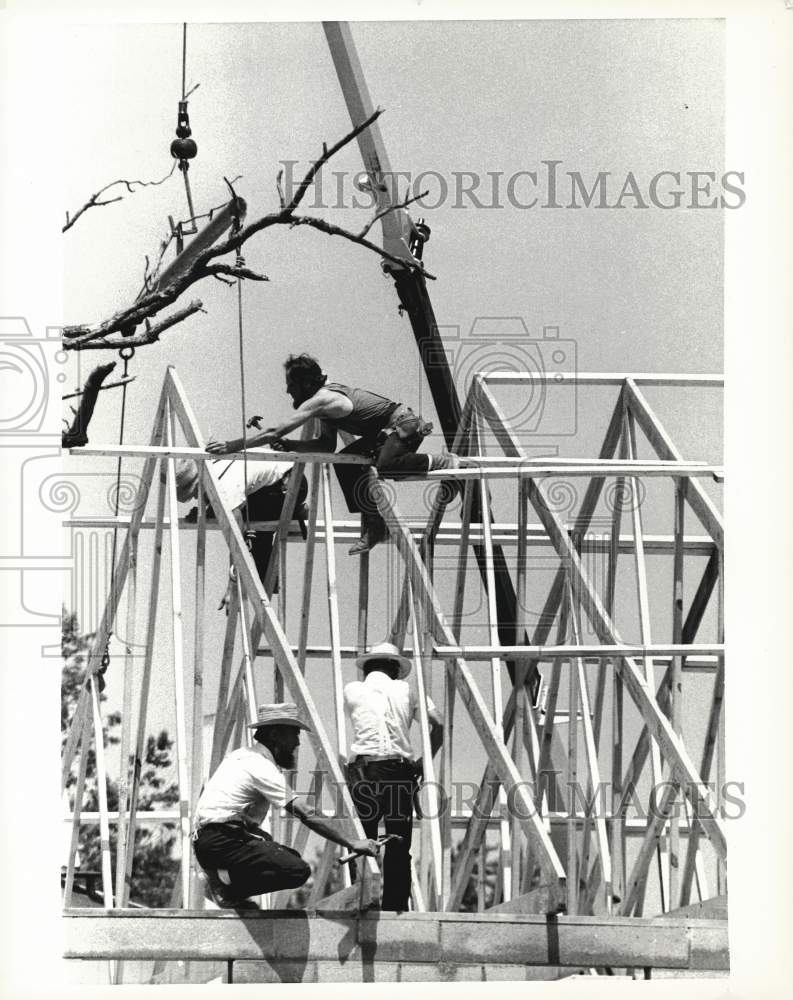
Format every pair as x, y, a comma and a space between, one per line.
155, 867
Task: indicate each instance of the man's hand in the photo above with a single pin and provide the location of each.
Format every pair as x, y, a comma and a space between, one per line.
218, 447
368, 846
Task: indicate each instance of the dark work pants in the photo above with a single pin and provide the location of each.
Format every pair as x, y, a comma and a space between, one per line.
395, 458
254, 861
383, 790
266, 505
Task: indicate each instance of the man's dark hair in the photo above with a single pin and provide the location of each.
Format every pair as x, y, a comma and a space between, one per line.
390, 667
306, 370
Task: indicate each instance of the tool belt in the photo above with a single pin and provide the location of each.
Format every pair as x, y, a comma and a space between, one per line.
405, 424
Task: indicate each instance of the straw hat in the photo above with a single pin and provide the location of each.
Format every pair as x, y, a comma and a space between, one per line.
386, 651
186, 480
284, 713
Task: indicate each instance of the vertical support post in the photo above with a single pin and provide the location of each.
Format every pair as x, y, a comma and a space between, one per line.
101, 785
333, 613
572, 776
232, 616
677, 681
178, 662
197, 766
125, 761
308, 572
646, 637
505, 859
594, 773
521, 671
79, 794
429, 765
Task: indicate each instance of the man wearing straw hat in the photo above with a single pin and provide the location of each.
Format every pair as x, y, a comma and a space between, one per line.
237, 857
382, 771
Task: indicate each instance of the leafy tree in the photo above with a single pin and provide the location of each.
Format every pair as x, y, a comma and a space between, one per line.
155, 867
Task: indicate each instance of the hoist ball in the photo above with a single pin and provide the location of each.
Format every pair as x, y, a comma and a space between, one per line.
184, 149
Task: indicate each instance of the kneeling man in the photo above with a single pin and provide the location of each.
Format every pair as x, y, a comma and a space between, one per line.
237, 857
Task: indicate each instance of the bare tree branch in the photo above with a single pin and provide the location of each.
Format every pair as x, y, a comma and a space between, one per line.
204, 264
333, 230
234, 271
109, 385
389, 208
304, 185
148, 336
93, 201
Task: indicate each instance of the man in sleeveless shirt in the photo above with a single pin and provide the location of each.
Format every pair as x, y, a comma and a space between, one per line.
389, 433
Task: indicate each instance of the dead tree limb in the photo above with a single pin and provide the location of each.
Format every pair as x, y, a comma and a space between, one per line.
93, 201
204, 264
77, 434
149, 335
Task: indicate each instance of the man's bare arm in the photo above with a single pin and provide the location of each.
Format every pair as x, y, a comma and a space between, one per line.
324, 403
436, 730
310, 817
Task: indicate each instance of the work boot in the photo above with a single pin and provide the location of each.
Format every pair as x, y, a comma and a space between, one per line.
218, 893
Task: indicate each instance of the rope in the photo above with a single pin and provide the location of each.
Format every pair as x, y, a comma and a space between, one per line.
184, 60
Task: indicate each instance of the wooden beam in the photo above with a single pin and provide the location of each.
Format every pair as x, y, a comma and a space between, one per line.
586, 651
608, 379
512, 939
549, 469
198, 454
177, 631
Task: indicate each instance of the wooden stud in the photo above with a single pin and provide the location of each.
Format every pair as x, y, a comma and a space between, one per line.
125, 760
101, 785
308, 571
79, 793
178, 665
232, 618
677, 682
333, 616
645, 633
433, 822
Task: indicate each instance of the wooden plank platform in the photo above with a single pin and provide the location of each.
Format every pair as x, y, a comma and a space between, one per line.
361, 943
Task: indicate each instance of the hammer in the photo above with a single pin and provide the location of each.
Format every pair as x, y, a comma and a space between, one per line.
345, 858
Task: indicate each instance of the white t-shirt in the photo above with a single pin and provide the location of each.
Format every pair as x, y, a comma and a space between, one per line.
381, 711
244, 786
232, 476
